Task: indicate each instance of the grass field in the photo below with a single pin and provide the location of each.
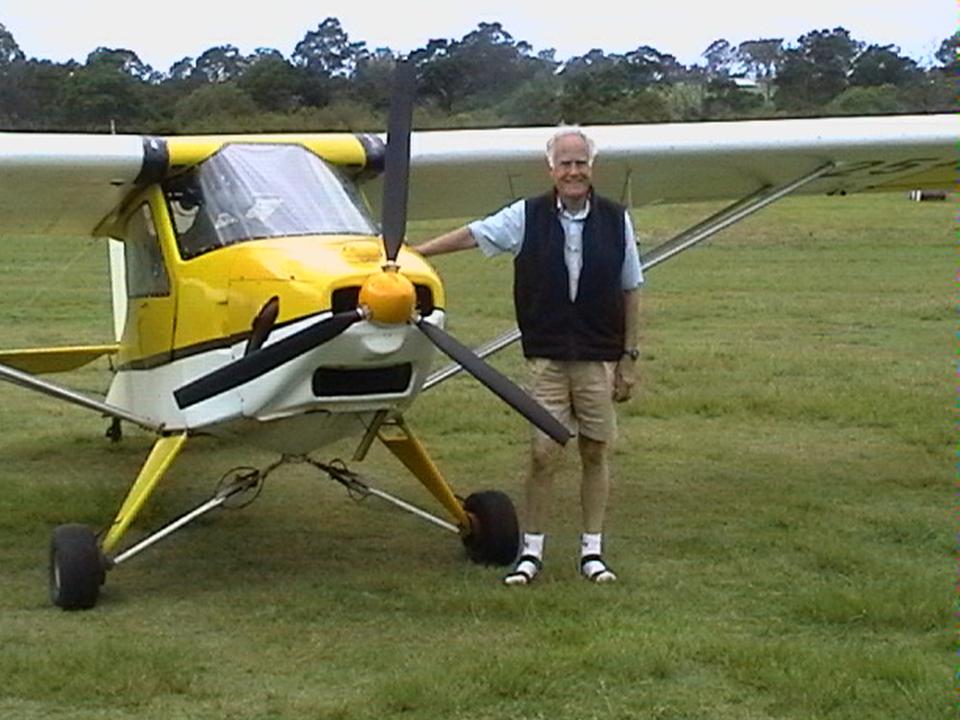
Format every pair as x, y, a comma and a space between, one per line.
781, 517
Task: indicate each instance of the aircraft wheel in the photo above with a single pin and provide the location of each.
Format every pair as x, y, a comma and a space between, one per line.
76, 568
495, 533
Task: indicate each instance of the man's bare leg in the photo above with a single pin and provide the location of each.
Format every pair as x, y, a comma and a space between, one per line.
594, 493
544, 458
594, 484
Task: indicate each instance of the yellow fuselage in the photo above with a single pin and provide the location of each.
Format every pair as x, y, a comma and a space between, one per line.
201, 317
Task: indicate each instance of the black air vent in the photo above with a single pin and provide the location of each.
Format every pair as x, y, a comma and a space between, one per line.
347, 298
337, 382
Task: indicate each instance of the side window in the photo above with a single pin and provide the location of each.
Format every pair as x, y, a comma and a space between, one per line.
146, 274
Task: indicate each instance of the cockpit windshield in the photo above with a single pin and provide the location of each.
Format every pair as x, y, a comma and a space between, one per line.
250, 192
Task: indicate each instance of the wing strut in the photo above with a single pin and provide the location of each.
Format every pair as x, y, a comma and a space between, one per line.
28, 381
728, 216
684, 241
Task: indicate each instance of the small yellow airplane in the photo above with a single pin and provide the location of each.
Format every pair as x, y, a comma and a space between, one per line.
256, 299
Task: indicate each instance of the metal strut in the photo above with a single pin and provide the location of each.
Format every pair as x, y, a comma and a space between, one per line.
355, 486
728, 216
252, 479
685, 240
28, 381
248, 480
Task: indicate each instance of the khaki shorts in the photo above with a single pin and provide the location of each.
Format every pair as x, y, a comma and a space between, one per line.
578, 393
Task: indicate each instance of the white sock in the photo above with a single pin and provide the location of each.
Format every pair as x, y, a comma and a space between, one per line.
533, 545
591, 544
526, 570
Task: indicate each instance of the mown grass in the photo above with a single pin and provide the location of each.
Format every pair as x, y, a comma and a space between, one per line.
781, 518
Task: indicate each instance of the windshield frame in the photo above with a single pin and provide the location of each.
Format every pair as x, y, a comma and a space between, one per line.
256, 191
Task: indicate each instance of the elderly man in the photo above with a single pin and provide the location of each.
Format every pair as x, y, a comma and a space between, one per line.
577, 276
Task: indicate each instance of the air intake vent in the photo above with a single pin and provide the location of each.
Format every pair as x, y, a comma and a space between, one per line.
424, 300
337, 382
347, 298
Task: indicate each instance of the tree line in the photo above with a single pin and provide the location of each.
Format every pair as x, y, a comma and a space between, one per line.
486, 78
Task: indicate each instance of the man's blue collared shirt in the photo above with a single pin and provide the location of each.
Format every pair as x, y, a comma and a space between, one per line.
504, 230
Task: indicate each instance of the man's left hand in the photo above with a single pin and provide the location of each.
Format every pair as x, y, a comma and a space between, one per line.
624, 378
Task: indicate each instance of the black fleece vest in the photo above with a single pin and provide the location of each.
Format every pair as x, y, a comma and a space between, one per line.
551, 326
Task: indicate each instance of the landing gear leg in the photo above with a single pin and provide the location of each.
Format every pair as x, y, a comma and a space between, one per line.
488, 521
78, 560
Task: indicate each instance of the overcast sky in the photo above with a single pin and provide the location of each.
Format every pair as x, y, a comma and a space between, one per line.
163, 33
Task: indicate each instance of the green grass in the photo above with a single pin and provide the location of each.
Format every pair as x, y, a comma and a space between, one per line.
781, 515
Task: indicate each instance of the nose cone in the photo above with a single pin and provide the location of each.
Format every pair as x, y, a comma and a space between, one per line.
389, 296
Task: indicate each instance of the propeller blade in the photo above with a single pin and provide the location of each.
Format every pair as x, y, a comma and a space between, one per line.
499, 384
397, 161
264, 360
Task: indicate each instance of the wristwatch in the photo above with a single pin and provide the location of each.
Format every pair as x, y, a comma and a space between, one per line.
632, 353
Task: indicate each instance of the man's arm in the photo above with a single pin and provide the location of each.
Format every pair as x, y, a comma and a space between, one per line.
494, 234
631, 308
459, 239
626, 372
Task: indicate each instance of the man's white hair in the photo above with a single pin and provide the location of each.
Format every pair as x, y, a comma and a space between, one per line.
565, 131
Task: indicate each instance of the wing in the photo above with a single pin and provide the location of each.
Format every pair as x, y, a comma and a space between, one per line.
469, 173
69, 184
52, 184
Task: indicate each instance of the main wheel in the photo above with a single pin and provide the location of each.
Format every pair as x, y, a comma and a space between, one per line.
494, 531
76, 568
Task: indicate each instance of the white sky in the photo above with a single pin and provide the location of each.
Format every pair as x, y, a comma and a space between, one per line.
162, 33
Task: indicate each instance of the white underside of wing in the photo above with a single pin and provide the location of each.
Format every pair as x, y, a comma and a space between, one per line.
468, 173
64, 184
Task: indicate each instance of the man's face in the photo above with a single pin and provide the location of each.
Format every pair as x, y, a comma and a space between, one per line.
571, 171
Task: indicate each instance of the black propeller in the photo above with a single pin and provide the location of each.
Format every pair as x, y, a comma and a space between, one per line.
499, 384
393, 222
396, 178
265, 359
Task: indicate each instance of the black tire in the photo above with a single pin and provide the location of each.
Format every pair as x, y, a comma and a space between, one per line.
76, 568
494, 533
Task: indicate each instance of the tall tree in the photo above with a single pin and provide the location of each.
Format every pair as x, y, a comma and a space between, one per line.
373, 78
182, 69
328, 50
760, 59
221, 63
438, 75
648, 66
936, 91
31, 95
482, 68
10, 51
816, 70
883, 65
270, 81
948, 54
721, 59
12, 100
102, 95
600, 88
124, 61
